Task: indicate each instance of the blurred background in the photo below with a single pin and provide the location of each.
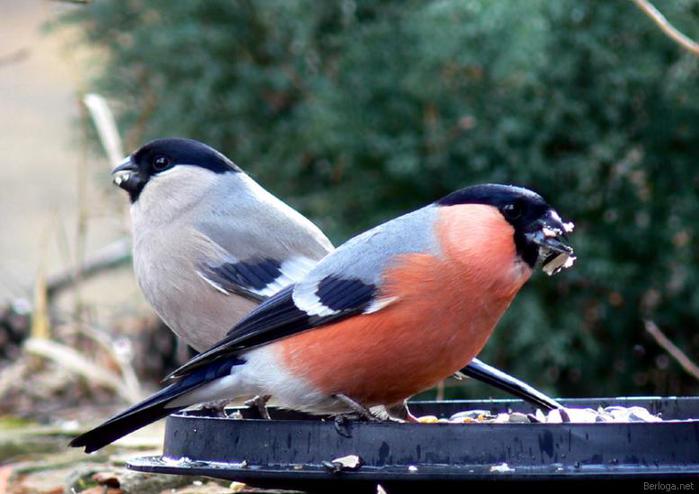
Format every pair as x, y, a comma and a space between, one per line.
354, 112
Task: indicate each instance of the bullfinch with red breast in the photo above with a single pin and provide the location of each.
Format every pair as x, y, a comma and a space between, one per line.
388, 314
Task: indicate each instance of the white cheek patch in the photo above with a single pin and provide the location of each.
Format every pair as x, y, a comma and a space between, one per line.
182, 175
173, 192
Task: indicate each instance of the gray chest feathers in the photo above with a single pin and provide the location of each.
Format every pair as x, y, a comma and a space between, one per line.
165, 264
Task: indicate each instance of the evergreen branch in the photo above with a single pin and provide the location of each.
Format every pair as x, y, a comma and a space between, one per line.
109, 257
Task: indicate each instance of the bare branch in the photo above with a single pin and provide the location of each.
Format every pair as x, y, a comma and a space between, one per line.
106, 126
670, 30
662, 340
109, 257
15, 56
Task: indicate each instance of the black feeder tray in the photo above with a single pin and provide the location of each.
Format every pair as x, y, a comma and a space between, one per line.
293, 451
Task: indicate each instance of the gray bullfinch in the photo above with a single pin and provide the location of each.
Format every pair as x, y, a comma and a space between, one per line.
388, 314
209, 243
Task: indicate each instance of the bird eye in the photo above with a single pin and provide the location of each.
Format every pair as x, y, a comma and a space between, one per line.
160, 162
512, 211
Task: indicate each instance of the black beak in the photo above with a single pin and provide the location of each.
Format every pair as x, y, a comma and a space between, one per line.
127, 176
549, 233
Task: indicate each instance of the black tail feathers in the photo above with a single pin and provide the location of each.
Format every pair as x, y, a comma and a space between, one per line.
139, 415
496, 378
154, 407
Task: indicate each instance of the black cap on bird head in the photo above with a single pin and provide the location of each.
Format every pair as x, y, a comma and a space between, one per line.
162, 155
539, 233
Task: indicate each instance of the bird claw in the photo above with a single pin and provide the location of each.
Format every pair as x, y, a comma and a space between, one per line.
342, 425
374, 414
357, 408
212, 409
401, 413
258, 405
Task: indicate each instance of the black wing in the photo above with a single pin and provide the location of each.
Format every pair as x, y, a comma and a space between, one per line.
278, 317
250, 279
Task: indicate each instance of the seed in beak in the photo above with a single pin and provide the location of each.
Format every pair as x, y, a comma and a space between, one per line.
121, 177
549, 232
558, 263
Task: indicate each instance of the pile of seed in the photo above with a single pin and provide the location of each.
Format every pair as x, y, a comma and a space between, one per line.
616, 414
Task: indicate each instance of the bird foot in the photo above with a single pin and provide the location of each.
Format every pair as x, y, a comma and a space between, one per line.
212, 408
259, 405
357, 408
374, 414
401, 413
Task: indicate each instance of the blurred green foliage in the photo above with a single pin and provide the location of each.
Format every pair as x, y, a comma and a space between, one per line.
357, 111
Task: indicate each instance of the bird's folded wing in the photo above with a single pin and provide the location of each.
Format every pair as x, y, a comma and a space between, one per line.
255, 279
241, 258
276, 318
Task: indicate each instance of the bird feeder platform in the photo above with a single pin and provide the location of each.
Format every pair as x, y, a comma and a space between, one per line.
294, 451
